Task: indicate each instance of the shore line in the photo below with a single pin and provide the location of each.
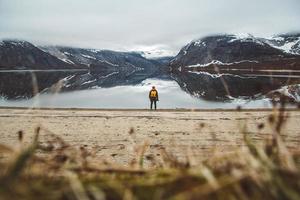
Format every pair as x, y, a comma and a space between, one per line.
144, 109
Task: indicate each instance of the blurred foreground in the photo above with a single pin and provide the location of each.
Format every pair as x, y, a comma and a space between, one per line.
90, 154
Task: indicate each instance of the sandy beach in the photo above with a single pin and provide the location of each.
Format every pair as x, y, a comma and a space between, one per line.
115, 134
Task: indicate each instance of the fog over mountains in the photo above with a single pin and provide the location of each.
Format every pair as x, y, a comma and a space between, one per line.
142, 25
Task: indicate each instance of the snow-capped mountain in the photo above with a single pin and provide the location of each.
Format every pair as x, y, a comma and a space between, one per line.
230, 49
18, 54
107, 68
153, 51
79, 68
226, 49
86, 57
226, 66
156, 53
289, 43
218, 67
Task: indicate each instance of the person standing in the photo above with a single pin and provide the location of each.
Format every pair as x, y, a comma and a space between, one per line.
153, 96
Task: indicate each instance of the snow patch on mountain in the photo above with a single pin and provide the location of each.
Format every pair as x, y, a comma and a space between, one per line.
157, 54
216, 75
95, 50
217, 62
288, 45
68, 78
199, 43
67, 53
21, 43
245, 38
89, 57
153, 52
107, 62
63, 56
90, 81
66, 60
111, 74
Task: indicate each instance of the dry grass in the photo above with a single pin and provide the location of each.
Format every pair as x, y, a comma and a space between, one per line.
52, 169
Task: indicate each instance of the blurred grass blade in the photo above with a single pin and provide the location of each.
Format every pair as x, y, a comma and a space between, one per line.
20, 162
76, 186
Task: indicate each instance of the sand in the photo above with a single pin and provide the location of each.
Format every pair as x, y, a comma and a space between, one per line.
115, 134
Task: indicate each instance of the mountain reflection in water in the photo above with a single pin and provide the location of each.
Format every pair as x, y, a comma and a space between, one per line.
131, 96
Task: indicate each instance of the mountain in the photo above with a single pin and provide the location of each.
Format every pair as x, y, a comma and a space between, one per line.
156, 53
217, 67
228, 49
18, 54
289, 43
26, 69
107, 68
76, 68
222, 67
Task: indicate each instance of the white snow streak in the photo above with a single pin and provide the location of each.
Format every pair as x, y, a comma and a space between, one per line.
217, 62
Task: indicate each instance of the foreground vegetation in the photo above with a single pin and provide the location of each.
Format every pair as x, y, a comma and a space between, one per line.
52, 169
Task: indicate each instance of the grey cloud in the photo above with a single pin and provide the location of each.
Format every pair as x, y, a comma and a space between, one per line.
123, 24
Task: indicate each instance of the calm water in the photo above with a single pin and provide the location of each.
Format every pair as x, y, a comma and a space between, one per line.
171, 96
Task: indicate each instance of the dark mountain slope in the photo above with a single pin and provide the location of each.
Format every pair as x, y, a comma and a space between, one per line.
24, 55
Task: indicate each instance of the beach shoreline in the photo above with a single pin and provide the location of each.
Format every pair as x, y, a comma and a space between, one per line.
116, 134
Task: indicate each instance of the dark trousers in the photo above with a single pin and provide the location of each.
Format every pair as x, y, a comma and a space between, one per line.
151, 103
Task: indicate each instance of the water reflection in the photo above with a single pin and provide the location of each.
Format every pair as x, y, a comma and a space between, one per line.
18, 84
223, 87
171, 96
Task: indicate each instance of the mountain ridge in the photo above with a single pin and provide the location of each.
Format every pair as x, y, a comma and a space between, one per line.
200, 67
99, 68
221, 67
20, 54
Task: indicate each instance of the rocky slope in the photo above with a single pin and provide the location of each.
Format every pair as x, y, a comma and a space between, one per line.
289, 43
224, 66
78, 68
218, 67
24, 55
107, 68
230, 49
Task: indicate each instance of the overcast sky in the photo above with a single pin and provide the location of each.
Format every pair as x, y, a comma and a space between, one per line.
142, 24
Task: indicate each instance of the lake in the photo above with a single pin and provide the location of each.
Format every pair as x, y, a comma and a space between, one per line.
132, 96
